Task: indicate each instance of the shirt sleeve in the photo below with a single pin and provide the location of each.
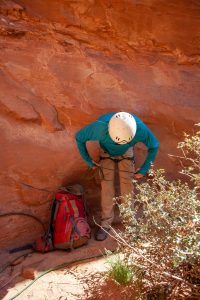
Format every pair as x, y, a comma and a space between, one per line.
151, 142
90, 132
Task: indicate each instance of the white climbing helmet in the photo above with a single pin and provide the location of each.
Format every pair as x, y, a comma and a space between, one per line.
122, 128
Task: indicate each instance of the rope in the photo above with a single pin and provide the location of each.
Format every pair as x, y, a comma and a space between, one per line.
24, 214
10, 264
53, 269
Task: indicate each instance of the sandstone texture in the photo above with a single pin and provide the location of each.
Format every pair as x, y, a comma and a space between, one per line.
63, 64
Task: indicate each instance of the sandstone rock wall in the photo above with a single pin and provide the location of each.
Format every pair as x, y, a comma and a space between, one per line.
64, 63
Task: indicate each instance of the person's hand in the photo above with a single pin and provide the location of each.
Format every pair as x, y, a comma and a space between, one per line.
96, 165
137, 175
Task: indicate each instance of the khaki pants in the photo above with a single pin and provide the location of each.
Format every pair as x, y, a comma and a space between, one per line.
108, 182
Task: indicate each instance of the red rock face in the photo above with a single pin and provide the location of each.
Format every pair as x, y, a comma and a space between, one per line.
64, 63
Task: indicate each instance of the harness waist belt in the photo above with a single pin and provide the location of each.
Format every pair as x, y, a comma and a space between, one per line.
118, 159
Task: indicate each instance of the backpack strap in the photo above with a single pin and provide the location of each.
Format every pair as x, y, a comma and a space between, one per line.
74, 230
74, 207
75, 226
56, 210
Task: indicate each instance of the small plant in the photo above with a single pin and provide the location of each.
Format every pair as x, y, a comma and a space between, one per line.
119, 271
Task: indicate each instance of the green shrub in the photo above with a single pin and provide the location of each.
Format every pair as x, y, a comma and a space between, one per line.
119, 270
162, 227
190, 158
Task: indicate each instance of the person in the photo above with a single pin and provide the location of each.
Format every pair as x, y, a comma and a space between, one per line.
117, 133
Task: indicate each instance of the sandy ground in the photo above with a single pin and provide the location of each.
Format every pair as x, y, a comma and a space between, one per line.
78, 280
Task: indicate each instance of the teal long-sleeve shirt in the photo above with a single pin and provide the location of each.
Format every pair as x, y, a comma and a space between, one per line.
98, 131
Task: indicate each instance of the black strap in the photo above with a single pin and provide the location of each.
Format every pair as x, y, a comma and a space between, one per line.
22, 248
54, 211
118, 159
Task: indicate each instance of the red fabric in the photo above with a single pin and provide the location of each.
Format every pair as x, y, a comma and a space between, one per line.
69, 206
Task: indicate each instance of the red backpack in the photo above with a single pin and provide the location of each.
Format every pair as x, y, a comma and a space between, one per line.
68, 227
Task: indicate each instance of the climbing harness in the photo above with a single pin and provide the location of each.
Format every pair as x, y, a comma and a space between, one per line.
116, 160
90, 174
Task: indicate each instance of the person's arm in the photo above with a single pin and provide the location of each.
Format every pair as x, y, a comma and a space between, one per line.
151, 142
90, 132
